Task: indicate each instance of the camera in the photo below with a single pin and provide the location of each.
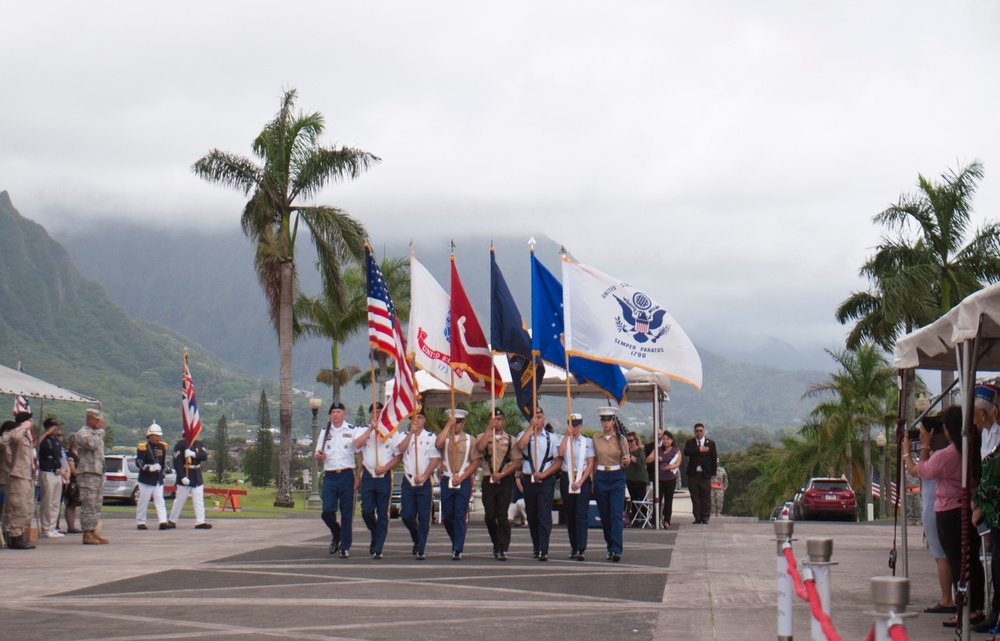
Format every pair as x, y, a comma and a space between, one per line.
933, 424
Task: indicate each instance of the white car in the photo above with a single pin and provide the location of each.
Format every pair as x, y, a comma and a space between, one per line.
121, 479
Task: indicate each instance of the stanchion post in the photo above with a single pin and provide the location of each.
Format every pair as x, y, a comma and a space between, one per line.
890, 594
786, 589
820, 550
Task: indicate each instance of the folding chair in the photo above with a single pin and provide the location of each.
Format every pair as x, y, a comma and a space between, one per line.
644, 510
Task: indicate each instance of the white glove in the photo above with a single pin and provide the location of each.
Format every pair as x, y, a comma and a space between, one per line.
185, 481
190, 453
155, 467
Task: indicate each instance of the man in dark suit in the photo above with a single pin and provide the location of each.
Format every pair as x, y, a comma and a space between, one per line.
701, 455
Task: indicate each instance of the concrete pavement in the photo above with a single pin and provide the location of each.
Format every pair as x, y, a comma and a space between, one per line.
273, 579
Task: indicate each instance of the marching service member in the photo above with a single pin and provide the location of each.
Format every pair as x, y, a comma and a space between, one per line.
501, 458
612, 455
337, 452
540, 449
575, 484
420, 458
459, 456
190, 482
378, 457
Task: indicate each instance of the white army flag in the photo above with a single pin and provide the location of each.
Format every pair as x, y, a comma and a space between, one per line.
609, 320
428, 333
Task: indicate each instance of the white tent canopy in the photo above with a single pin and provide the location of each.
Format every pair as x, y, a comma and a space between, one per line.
17, 383
933, 346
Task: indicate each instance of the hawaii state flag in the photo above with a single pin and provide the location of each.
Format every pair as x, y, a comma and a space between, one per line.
189, 408
509, 336
469, 349
385, 335
429, 329
612, 321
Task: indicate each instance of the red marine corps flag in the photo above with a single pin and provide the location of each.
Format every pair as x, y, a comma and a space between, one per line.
469, 349
189, 408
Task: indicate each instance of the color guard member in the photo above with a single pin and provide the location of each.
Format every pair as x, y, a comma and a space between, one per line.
575, 484
378, 457
540, 449
420, 459
459, 454
501, 458
612, 455
151, 459
336, 450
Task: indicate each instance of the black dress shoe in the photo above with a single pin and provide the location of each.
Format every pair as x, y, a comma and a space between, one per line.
456, 556
378, 556
615, 557
696, 522
501, 556
171, 525
203, 526
371, 548
580, 556
534, 554
141, 526
609, 556
334, 547
344, 554
421, 557
572, 555
414, 550
542, 556
164, 526
496, 553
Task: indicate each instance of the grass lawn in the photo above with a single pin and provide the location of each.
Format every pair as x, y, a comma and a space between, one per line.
258, 502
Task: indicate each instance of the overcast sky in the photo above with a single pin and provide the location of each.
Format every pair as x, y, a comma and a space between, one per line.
725, 156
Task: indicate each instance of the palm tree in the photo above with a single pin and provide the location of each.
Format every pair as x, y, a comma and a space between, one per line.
292, 167
859, 389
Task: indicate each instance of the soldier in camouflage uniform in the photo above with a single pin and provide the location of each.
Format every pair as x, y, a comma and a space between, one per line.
720, 483
21, 480
90, 476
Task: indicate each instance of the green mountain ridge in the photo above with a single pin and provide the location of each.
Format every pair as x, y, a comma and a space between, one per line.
66, 329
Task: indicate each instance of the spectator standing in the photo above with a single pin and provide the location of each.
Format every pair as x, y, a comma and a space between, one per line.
50, 478
670, 464
701, 455
71, 495
720, 483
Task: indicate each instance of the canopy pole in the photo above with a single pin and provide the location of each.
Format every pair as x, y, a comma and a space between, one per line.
657, 425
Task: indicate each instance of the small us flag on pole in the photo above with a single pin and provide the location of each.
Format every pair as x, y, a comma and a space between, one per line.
877, 487
21, 403
385, 335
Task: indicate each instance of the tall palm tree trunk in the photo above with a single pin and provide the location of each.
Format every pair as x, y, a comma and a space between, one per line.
335, 356
283, 498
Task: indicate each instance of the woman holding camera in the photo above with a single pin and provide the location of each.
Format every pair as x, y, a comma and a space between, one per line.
945, 466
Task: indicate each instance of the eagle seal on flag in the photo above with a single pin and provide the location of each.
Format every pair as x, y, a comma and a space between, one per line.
642, 318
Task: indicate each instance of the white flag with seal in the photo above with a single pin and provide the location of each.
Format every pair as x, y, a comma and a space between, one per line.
609, 320
428, 334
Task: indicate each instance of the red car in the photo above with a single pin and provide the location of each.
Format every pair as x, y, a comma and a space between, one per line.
827, 497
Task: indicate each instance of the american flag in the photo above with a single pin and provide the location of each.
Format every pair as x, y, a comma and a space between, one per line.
21, 403
385, 335
189, 408
877, 488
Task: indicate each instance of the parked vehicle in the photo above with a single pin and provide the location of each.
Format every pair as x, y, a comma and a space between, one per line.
121, 479
783, 512
827, 497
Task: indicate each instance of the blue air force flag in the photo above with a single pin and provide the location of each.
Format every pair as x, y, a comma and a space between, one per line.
608, 320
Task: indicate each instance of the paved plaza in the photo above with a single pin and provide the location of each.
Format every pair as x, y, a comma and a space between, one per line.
273, 579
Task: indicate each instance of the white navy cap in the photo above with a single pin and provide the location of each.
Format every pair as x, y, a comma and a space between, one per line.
607, 410
459, 414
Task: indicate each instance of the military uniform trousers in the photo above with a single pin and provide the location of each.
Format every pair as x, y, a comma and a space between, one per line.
338, 493
20, 505
538, 505
455, 511
91, 499
718, 497
609, 490
197, 495
50, 487
415, 511
496, 503
147, 492
375, 495
577, 507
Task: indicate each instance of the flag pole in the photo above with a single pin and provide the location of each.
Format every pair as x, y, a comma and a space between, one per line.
454, 437
184, 425
371, 362
569, 421
534, 370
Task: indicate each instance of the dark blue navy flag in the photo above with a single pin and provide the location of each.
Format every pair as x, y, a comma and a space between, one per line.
547, 336
508, 335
